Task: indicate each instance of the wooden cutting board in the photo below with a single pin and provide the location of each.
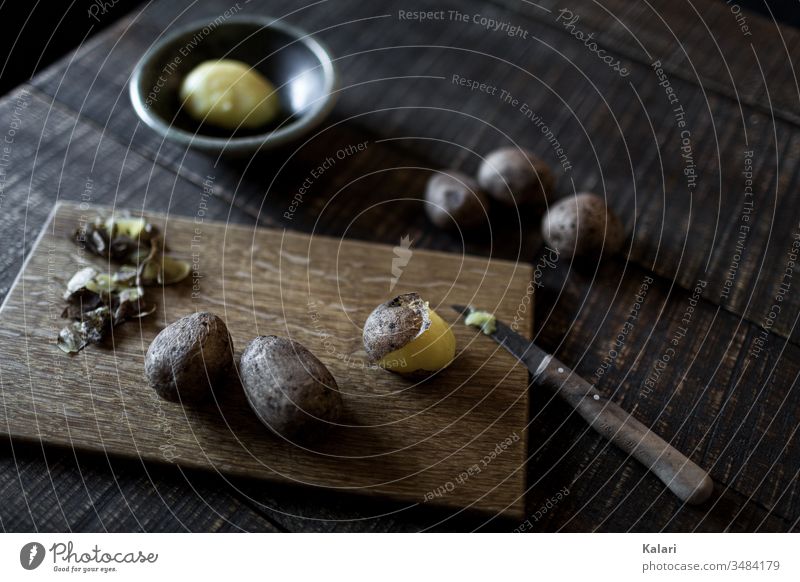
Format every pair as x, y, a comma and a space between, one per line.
457, 440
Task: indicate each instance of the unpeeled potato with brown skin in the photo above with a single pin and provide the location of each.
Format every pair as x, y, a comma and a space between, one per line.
407, 337
516, 176
454, 200
582, 226
289, 389
190, 358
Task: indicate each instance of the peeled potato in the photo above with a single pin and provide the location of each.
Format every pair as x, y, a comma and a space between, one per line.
406, 336
229, 94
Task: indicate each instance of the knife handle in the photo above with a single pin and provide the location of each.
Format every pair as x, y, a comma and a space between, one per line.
682, 476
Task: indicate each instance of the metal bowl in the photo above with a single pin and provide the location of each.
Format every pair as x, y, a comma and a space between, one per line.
298, 65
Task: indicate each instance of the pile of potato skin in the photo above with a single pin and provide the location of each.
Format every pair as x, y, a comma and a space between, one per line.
579, 226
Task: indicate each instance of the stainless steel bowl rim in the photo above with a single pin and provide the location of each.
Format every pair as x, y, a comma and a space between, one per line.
276, 137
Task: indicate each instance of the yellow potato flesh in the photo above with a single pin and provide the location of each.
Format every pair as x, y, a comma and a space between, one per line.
130, 227
431, 351
483, 320
229, 94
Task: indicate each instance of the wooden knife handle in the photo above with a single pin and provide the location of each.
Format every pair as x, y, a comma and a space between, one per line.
682, 476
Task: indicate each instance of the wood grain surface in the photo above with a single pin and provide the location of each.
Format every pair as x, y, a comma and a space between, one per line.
458, 439
734, 415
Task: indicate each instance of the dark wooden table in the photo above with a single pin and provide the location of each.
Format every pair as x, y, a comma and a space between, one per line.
719, 380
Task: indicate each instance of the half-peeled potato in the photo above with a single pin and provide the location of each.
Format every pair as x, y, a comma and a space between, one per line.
404, 335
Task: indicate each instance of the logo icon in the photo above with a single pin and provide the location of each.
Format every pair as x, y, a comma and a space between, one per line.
31, 555
402, 254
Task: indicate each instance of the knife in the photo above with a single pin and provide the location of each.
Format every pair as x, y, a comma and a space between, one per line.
683, 477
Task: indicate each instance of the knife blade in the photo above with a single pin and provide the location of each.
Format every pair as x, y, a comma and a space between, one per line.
527, 352
682, 476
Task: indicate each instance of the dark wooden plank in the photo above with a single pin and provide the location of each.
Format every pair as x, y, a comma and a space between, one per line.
52, 490
321, 511
395, 442
637, 183
735, 415
602, 120
699, 41
148, 497
48, 490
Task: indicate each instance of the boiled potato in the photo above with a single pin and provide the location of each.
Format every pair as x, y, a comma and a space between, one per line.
516, 176
190, 358
454, 200
229, 94
288, 388
406, 336
582, 226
